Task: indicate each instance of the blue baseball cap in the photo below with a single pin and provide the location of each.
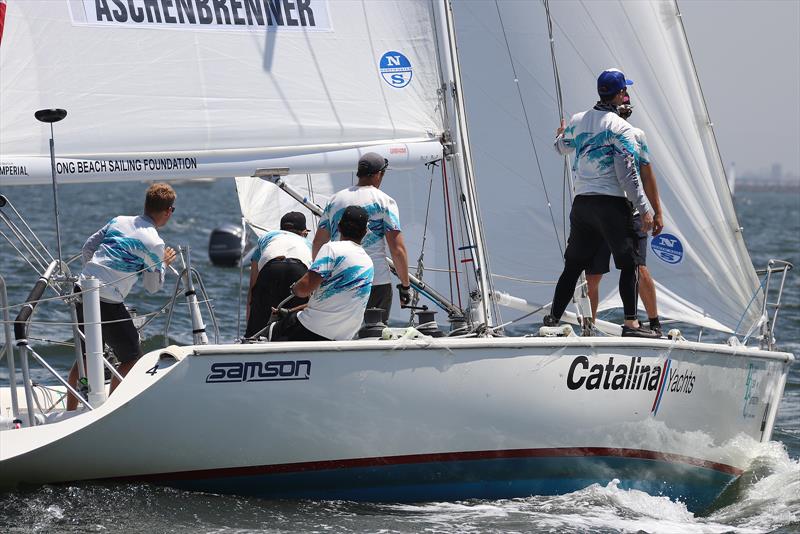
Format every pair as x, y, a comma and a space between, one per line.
611, 82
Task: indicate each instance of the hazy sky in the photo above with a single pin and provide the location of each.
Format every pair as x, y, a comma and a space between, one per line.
747, 54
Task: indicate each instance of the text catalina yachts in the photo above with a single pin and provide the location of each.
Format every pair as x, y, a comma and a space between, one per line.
207, 12
627, 376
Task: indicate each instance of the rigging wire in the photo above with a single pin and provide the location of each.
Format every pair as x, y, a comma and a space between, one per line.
448, 208
420, 261
528, 125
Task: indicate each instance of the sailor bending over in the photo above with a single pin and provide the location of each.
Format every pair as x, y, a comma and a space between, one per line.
124, 250
282, 257
338, 285
600, 263
384, 223
605, 173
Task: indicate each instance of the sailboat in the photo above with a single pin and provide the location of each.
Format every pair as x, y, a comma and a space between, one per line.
462, 98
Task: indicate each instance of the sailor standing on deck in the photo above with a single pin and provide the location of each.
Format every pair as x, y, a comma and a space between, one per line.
338, 284
281, 258
600, 263
605, 173
383, 229
125, 249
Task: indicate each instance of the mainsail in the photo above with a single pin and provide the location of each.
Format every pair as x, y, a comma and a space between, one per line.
168, 91
704, 273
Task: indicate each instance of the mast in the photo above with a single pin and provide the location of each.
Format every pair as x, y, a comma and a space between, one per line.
462, 155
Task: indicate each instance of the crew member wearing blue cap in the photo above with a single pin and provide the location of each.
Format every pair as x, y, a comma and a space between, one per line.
605, 173
600, 263
383, 229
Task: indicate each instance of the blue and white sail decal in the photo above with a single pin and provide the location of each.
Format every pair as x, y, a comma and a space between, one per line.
668, 248
396, 69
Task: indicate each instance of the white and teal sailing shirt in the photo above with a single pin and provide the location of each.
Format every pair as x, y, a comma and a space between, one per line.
601, 138
383, 217
122, 251
643, 151
279, 243
336, 309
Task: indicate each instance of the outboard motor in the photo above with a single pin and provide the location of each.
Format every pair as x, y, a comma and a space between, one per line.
225, 245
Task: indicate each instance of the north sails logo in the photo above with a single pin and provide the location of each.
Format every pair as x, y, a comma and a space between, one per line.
630, 375
259, 371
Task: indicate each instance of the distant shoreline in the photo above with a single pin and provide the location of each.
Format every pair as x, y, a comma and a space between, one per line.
765, 185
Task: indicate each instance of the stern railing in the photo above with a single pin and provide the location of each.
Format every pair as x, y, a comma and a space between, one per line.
774, 267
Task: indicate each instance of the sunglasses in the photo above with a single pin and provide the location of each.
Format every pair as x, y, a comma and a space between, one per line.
171, 209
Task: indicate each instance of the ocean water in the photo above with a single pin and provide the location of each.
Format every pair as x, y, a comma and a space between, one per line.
765, 499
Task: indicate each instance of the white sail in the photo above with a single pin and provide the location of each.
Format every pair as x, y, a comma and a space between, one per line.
512, 108
173, 97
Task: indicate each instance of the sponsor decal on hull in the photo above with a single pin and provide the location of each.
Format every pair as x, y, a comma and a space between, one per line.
271, 371
630, 375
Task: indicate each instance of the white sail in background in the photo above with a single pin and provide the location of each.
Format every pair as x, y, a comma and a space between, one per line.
180, 96
701, 261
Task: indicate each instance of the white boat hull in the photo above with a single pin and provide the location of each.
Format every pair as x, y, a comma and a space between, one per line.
420, 420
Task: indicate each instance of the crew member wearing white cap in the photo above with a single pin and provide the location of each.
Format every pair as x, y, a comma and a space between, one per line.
605, 173
383, 229
281, 258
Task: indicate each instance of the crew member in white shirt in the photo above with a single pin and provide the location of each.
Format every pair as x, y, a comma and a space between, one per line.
281, 258
383, 229
600, 263
606, 179
338, 285
125, 249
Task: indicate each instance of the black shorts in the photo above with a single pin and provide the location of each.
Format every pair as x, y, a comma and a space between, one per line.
270, 289
380, 296
121, 335
600, 262
598, 220
291, 329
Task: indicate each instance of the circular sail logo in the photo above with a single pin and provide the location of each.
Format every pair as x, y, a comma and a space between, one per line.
668, 248
396, 69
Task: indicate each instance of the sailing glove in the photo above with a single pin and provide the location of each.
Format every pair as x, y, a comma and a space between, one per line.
405, 294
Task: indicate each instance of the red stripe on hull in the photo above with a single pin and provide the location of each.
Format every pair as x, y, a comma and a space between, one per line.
437, 457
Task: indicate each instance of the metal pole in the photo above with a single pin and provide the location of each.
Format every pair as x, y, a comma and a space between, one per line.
198, 326
12, 368
94, 340
50, 116
26, 379
55, 192
76, 332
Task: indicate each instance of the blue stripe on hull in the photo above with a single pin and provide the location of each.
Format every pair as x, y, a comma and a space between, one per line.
476, 479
